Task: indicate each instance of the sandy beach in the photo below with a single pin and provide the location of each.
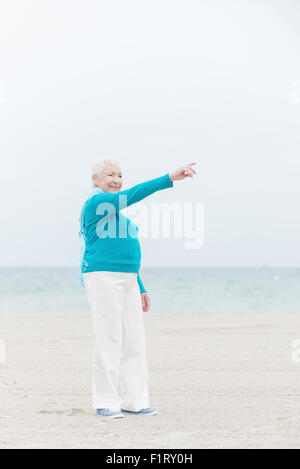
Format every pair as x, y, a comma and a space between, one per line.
217, 381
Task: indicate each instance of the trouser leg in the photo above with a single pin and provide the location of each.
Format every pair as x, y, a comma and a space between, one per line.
106, 300
133, 365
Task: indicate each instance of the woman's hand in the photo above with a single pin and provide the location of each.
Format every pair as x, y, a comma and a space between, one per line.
145, 302
183, 172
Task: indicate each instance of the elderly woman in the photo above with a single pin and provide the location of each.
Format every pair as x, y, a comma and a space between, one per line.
110, 264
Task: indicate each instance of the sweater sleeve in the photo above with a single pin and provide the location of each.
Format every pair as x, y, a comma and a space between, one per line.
135, 193
142, 288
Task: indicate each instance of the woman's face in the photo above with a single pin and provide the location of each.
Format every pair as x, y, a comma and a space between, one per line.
110, 180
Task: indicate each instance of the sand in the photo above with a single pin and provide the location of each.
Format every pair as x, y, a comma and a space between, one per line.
217, 381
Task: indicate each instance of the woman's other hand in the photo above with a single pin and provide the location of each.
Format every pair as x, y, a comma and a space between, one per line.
145, 302
183, 172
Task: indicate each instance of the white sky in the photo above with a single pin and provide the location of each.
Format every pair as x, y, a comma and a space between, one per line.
155, 84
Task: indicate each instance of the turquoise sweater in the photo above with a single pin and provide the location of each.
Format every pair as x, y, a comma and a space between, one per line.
111, 238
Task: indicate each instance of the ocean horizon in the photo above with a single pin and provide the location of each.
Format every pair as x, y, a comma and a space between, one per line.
179, 290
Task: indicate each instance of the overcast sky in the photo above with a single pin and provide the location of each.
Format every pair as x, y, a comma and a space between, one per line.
154, 84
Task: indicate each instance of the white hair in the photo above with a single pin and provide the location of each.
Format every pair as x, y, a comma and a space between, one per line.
98, 167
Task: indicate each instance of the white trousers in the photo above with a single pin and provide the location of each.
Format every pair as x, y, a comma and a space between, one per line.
120, 373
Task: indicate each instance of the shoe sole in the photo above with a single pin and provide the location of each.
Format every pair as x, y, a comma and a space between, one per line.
111, 417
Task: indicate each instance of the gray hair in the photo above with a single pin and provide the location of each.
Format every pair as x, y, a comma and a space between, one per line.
98, 167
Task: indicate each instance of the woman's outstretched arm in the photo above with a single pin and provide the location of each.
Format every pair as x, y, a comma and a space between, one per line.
144, 189
134, 194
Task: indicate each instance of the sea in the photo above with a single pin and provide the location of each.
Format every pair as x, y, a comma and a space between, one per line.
176, 290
